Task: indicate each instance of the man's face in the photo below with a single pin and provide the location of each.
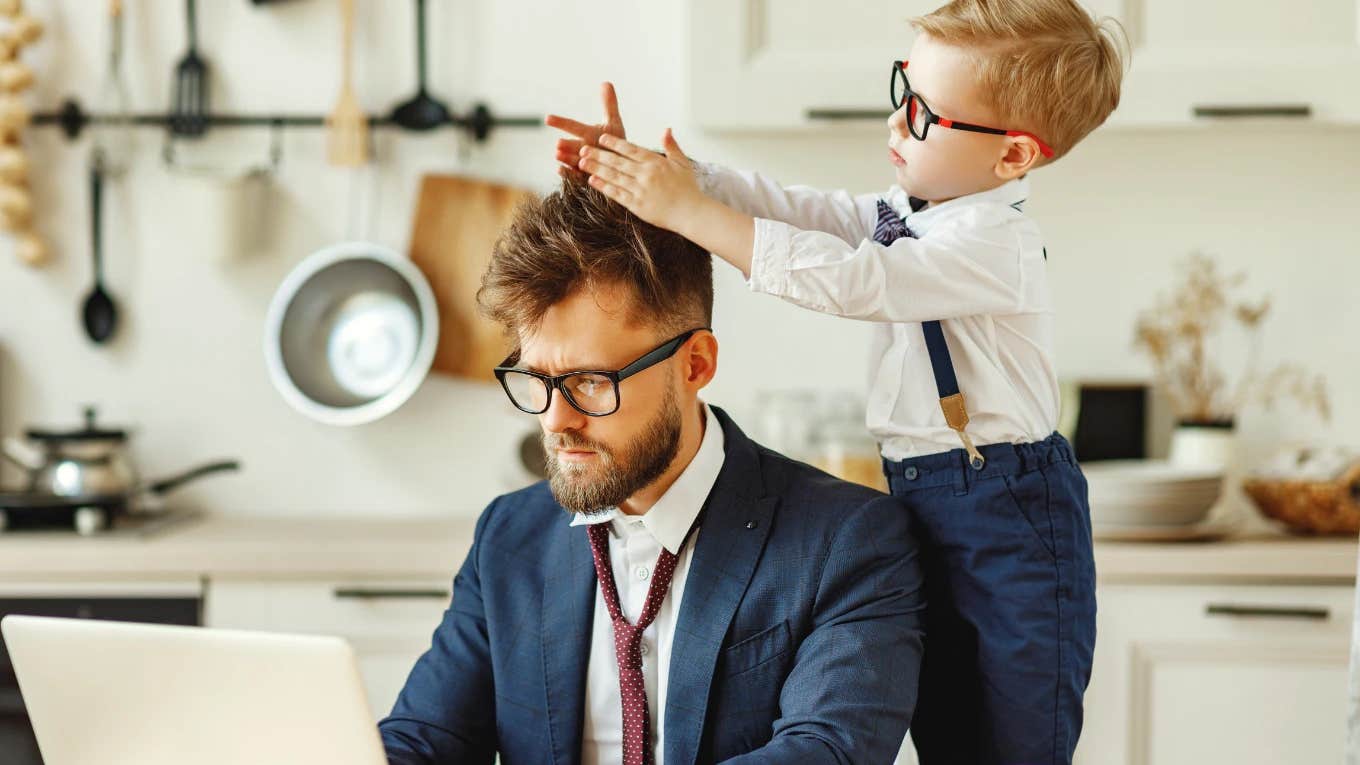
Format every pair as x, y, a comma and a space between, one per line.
598, 462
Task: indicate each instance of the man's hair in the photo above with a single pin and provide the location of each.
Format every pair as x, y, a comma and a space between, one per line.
1045, 66
577, 238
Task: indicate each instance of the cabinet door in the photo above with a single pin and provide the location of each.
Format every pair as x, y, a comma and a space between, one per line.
781, 64
1195, 674
1206, 59
388, 623
786, 64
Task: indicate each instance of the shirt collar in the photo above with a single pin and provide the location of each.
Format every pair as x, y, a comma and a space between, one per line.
671, 518
1008, 194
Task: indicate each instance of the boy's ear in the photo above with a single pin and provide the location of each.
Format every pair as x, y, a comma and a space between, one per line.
1022, 155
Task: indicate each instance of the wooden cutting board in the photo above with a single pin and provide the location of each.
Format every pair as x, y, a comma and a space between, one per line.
456, 224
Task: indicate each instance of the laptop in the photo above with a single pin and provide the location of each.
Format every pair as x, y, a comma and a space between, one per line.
113, 693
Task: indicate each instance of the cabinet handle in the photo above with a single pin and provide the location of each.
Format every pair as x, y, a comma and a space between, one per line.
846, 115
1261, 110
1313, 613
372, 594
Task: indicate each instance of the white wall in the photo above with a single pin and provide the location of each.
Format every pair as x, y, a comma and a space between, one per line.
1277, 201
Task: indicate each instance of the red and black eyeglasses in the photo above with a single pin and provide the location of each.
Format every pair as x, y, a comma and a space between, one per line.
920, 117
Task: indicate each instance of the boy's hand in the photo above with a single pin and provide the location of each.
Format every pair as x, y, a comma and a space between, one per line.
659, 188
569, 149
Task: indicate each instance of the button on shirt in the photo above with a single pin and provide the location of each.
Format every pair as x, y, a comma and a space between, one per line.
976, 264
635, 542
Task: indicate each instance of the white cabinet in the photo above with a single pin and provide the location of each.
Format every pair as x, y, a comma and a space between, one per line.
784, 64
388, 622
779, 64
1201, 59
1188, 674
1197, 673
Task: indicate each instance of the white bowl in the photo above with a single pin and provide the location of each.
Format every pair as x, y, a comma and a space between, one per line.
1150, 492
373, 341
1148, 472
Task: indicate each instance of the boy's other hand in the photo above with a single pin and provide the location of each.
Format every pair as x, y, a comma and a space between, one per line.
661, 189
569, 149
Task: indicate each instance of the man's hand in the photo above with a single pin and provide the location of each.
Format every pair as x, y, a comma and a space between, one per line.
569, 149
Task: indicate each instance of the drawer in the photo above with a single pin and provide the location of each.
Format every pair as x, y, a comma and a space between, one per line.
386, 608
1229, 611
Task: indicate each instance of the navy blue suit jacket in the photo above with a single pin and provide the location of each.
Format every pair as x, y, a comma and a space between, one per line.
798, 640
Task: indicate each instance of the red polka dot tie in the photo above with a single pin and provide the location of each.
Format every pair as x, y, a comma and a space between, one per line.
637, 745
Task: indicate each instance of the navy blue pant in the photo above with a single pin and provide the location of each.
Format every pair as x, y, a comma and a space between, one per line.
1011, 615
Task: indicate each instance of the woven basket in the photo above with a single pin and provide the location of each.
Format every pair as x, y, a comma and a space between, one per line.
1311, 507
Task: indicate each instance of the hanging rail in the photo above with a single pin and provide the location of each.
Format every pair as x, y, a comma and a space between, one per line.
73, 119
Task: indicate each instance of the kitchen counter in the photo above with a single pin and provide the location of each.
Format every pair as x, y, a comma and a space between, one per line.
1263, 558
246, 546
221, 545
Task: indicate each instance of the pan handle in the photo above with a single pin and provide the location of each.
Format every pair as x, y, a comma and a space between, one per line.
174, 482
21, 454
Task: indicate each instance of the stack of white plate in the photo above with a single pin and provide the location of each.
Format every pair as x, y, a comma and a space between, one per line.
1145, 498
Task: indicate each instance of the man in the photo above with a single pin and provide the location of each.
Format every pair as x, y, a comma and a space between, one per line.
701, 599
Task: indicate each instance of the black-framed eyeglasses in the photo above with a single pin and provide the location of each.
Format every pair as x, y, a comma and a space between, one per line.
594, 393
920, 117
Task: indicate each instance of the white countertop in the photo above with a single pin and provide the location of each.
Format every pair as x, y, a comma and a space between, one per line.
376, 548
231, 545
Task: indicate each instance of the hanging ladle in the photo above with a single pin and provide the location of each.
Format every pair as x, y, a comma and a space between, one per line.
99, 313
421, 112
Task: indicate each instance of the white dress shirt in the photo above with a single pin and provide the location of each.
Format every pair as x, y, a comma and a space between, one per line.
977, 265
635, 542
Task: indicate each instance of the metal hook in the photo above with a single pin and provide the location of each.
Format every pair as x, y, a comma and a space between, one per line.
275, 145
275, 156
168, 149
372, 139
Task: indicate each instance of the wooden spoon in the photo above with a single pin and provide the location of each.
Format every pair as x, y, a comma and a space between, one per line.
348, 124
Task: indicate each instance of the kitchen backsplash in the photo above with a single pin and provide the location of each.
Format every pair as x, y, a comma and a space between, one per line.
188, 369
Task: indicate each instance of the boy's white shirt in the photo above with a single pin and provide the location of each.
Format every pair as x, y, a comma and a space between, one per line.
977, 265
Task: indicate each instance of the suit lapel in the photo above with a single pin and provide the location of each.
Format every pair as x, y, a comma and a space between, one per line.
735, 525
568, 611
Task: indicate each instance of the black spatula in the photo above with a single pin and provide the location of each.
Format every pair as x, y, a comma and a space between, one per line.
189, 112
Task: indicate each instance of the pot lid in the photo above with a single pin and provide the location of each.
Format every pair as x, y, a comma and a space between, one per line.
91, 432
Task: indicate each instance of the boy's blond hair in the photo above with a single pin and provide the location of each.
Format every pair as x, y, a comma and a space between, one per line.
1045, 66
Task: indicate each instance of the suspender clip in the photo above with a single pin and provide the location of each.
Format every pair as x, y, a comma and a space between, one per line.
956, 416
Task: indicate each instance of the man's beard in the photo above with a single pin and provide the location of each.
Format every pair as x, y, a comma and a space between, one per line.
615, 476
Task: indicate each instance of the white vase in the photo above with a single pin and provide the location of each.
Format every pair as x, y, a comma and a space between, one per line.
1203, 445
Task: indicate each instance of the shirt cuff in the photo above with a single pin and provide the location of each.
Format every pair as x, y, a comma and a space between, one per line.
770, 257
706, 173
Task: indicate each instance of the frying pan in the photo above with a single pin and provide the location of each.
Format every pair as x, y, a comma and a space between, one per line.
91, 513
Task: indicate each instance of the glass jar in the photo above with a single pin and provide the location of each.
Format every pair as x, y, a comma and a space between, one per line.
842, 445
785, 421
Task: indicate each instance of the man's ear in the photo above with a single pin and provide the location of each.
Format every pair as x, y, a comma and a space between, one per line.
701, 360
1022, 154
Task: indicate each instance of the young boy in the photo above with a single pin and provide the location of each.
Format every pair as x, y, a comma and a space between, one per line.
953, 273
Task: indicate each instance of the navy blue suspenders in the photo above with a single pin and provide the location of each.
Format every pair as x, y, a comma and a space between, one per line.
889, 229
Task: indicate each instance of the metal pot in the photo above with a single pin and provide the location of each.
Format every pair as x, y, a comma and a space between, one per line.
88, 461
90, 465
351, 333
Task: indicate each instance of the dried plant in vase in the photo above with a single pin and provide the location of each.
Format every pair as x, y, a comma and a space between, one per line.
1180, 335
